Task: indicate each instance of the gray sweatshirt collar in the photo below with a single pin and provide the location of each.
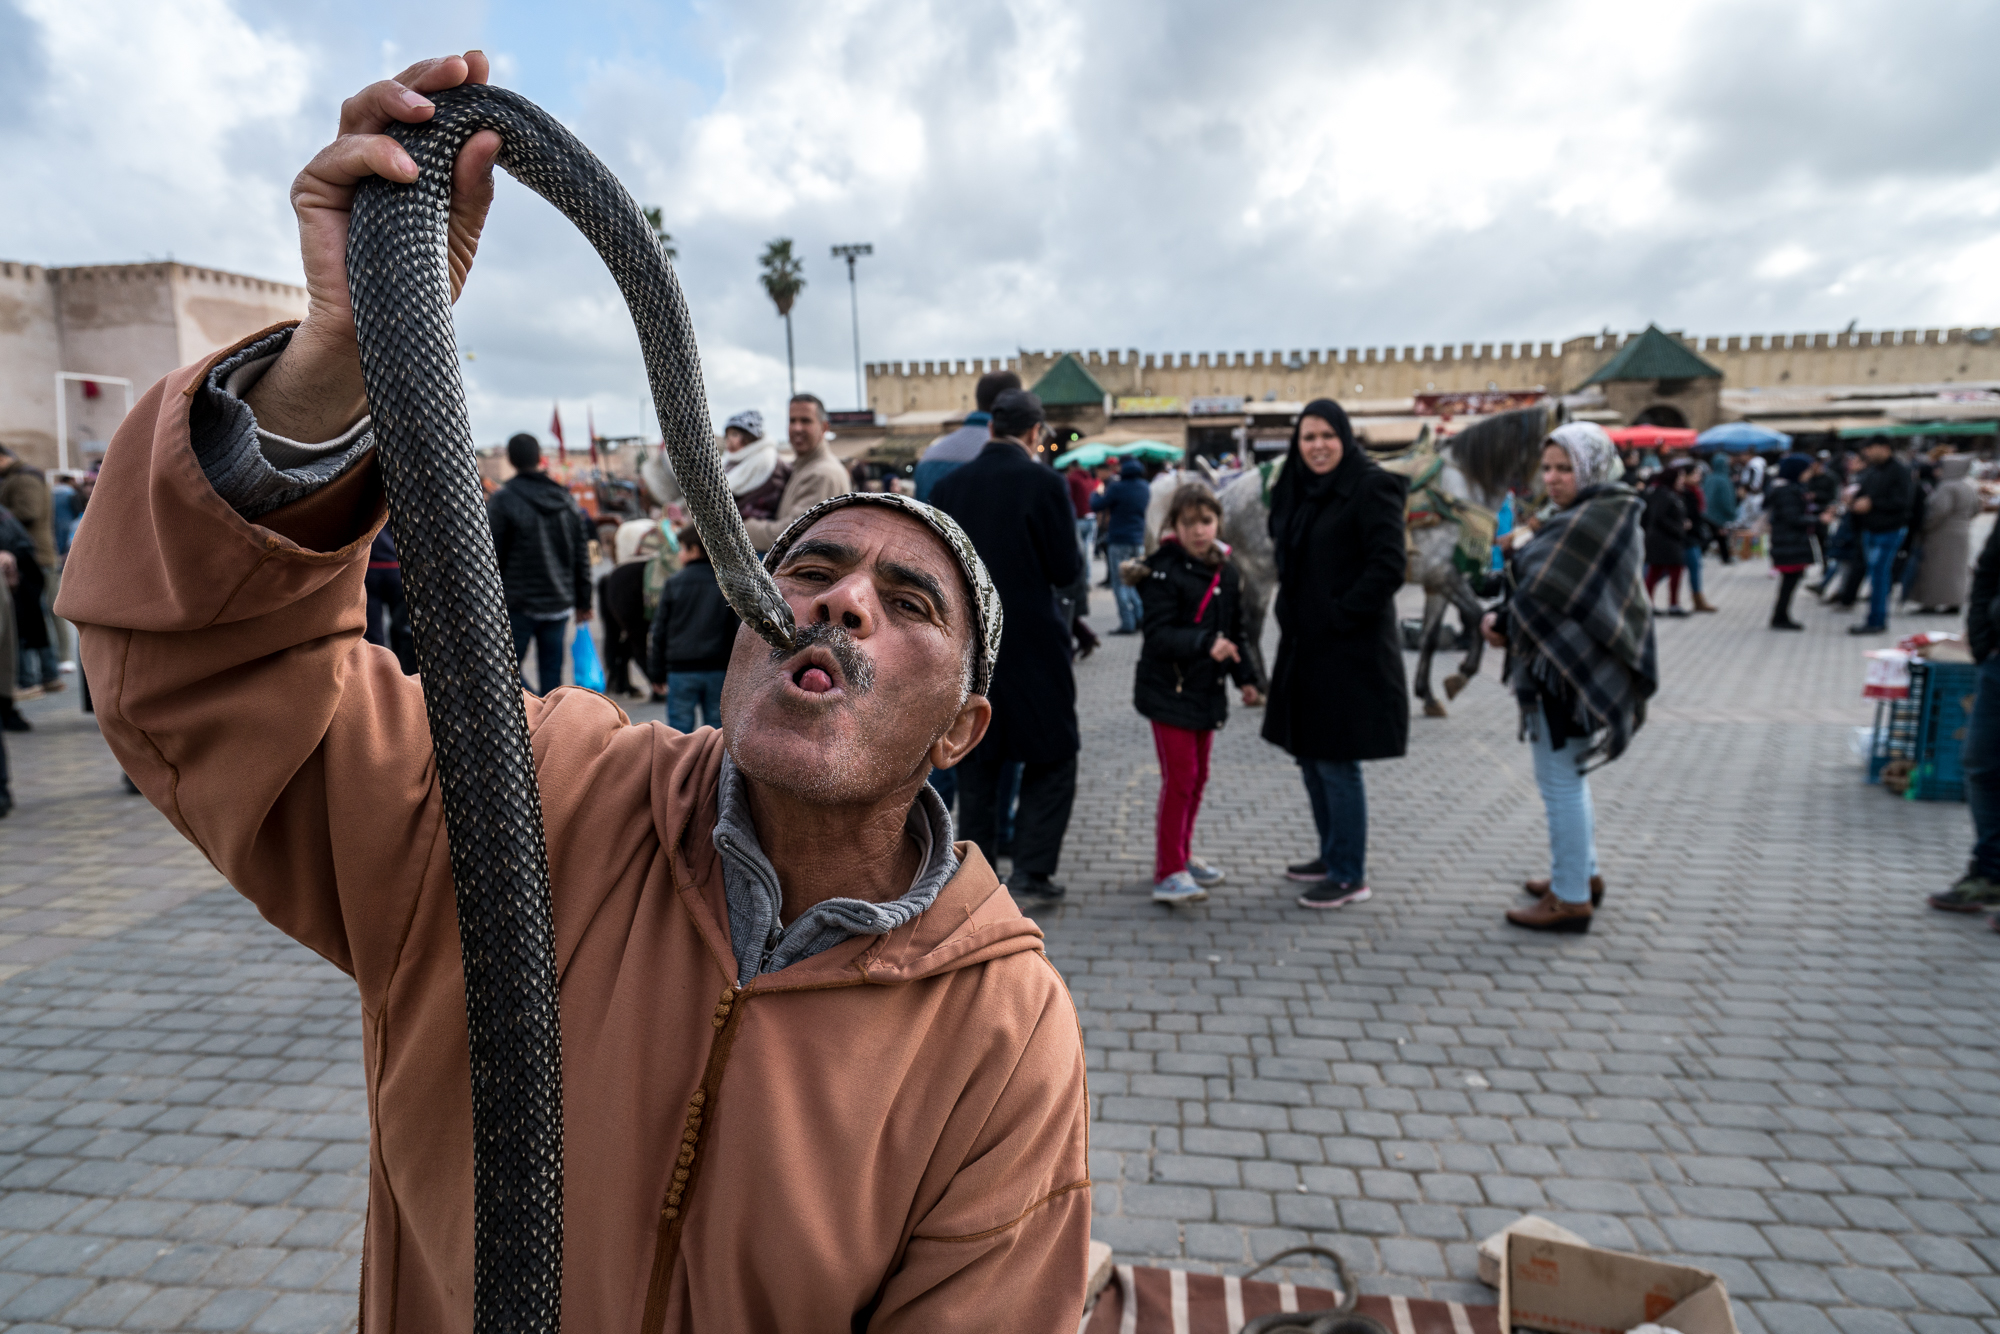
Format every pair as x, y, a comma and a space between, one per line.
761, 942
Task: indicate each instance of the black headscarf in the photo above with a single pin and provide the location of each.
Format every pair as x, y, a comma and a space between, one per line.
1301, 492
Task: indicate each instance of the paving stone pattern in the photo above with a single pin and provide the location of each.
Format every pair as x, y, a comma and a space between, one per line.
1767, 1058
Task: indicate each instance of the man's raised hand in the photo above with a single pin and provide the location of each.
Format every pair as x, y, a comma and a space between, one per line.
315, 391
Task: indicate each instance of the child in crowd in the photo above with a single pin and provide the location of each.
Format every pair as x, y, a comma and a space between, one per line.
1193, 622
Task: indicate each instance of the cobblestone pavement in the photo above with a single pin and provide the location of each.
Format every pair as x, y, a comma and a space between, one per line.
1768, 1056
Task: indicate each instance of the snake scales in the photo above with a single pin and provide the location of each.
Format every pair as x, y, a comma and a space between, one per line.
397, 265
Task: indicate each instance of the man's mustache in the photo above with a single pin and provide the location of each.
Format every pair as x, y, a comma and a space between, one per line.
857, 669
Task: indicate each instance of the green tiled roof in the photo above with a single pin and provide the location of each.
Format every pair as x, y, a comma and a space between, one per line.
1069, 385
1654, 355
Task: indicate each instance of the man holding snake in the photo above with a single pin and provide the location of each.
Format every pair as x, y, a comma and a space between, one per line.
818, 1073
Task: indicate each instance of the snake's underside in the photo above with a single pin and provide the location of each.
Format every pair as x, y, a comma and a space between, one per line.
400, 280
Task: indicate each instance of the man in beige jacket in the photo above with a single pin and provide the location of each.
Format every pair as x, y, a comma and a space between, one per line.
818, 1074
816, 474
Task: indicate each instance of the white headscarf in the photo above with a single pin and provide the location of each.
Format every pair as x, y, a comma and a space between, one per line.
751, 466
1592, 455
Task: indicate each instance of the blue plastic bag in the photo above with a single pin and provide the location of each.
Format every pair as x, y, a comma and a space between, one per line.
588, 667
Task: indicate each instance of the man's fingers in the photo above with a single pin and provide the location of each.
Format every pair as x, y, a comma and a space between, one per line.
428, 76
472, 177
352, 156
381, 105
477, 67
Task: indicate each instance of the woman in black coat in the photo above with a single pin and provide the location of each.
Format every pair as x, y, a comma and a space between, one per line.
1789, 508
1666, 528
1338, 694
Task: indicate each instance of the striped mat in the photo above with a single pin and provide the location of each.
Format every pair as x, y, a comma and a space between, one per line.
1139, 1300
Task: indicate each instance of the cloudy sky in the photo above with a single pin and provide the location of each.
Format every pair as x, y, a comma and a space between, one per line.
1162, 174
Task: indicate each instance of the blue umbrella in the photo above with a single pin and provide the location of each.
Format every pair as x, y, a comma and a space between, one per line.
1742, 438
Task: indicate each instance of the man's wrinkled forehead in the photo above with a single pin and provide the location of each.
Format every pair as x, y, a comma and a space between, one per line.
897, 545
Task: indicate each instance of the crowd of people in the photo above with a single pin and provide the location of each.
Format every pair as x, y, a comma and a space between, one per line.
1869, 518
38, 516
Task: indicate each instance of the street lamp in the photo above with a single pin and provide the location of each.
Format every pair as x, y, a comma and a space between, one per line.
850, 253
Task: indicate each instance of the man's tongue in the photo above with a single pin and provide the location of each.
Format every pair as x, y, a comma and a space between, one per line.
815, 681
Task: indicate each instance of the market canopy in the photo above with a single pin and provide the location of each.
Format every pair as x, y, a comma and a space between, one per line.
1069, 385
1742, 437
1922, 428
1654, 355
1652, 437
1092, 454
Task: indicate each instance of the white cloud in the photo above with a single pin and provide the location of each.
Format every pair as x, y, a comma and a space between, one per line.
1165, 174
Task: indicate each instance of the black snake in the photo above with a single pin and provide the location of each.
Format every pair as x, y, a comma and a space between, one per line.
397, 266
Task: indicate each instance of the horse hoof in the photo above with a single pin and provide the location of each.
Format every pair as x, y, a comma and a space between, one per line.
1433, 709
1453, 684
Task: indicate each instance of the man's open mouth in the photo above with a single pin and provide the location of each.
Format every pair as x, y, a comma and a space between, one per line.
816, 671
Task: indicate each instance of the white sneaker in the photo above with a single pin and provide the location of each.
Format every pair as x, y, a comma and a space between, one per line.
1204, 874
1180, 887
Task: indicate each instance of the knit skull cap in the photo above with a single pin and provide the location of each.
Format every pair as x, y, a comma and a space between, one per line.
750, 422
985, 598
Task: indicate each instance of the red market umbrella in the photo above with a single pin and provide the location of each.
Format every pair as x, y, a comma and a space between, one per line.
1651, 437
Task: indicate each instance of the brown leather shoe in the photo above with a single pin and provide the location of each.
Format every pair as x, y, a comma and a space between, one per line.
1549, 913
1703, 604
1539, 888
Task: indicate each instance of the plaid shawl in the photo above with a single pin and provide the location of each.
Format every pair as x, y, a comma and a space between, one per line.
1583, 627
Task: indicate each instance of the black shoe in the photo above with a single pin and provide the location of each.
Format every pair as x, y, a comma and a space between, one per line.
1677, 611
12, 720
1334, 894
1122, 631
1309, 873
1866, 629
1039, 888
1786, 624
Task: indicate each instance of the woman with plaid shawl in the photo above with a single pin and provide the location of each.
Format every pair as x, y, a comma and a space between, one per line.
1578, 630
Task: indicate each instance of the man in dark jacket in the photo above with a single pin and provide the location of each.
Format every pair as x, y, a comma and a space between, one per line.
694, 631
1018, 515
543, 542
1124, 505
1881, 509
1978, 890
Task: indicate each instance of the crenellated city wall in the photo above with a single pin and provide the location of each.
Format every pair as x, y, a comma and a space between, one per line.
136, 321
1908, 356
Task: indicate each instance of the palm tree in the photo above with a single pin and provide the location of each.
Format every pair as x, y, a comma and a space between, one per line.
783, 281
657, 221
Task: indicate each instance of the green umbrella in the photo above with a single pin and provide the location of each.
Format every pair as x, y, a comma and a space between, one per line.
1902, 431
1092, 455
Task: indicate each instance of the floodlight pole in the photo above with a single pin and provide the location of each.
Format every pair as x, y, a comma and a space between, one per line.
850, 253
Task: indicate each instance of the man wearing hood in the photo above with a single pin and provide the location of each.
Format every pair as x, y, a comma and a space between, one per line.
542, 541
818, 1074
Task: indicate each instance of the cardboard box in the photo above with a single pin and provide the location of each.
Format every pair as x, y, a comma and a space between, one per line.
1493, 1251
1552, 1285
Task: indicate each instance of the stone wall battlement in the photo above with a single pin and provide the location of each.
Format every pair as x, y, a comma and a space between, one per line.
1857, 357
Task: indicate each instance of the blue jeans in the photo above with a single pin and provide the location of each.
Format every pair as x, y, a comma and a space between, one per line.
1086, 538
548, 637
1981, 757
1340, 813
686, 690
1572, 821
1692, 551
1130, 610
1880, 551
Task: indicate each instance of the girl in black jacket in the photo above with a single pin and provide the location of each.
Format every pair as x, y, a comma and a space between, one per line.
1193, 623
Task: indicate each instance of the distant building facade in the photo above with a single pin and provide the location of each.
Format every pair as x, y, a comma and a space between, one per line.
1178, 395
131, 321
